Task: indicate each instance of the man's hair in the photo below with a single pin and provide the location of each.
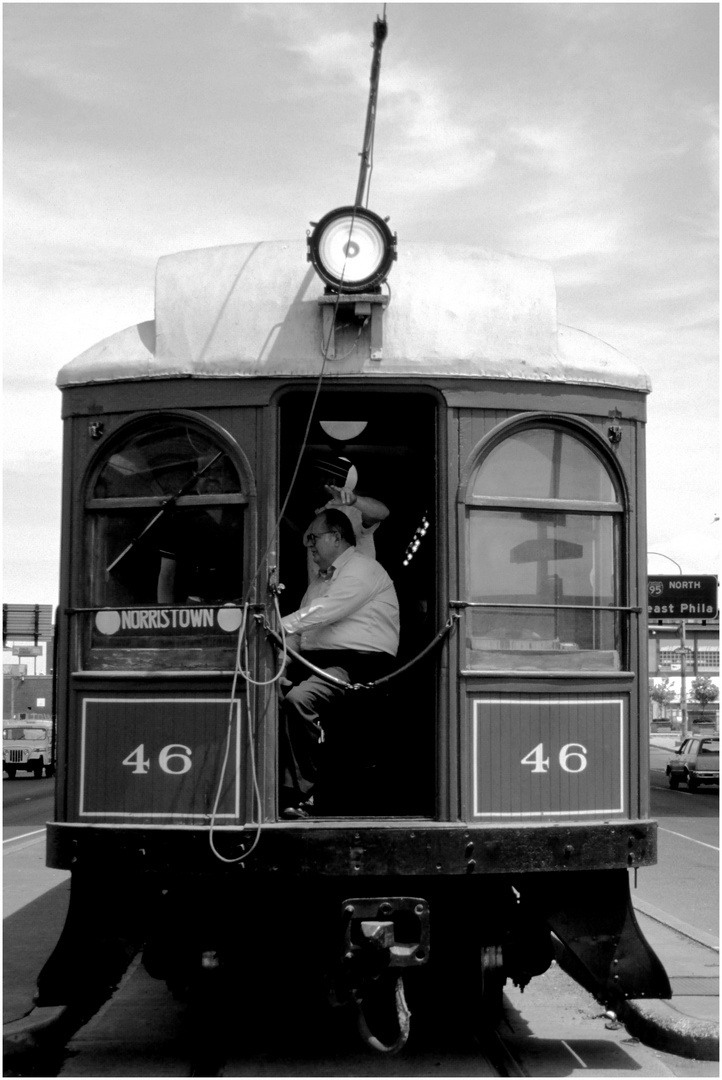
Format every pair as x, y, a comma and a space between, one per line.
337, 521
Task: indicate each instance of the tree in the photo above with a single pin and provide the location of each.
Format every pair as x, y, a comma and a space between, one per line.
663, 693
704, 690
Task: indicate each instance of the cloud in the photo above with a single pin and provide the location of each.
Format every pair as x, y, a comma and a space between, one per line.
333, 56
31, 547
425, 144
580, 134
430, 143
696, 550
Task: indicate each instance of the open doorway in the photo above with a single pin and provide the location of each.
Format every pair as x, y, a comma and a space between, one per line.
389, 437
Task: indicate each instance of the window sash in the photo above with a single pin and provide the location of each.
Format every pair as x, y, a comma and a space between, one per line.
152, 502
568, 506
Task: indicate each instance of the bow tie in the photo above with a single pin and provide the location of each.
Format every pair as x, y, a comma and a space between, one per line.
327, 574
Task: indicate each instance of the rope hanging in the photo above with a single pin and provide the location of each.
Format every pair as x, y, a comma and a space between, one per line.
446, 628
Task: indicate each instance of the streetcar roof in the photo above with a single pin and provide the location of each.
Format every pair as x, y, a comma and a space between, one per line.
252, 310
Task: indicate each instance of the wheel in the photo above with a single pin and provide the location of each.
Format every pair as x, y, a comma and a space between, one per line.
50, 770
692, 782
10, 770
491, 986
673, 780
38, 769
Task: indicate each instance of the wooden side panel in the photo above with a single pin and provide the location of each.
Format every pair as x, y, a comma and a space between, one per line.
155, 758
555, 756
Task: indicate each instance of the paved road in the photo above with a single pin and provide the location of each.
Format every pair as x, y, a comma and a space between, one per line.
27, 803
27, 806
554, 1028
685, 881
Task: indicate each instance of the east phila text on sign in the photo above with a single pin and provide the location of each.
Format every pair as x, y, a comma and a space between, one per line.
682, 597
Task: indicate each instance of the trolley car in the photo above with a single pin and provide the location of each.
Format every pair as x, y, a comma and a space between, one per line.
494, 792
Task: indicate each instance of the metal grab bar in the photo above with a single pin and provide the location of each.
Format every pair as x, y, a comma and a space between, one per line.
544, 607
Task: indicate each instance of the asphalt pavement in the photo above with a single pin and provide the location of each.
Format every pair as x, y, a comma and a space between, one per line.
686, 1025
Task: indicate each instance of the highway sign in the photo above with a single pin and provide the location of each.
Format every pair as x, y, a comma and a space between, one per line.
27, 622
680, 597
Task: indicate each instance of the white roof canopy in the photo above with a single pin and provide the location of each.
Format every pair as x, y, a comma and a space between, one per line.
252, 309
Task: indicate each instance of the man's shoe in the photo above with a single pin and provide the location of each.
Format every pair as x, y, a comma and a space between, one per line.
302, 810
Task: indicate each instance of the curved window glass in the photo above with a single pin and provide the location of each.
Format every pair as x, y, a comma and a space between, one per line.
544, 463
166, 520
543, 543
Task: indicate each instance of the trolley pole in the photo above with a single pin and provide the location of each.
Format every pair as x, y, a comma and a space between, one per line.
380, 32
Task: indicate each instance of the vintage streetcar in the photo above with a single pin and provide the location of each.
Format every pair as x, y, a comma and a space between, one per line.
486, 803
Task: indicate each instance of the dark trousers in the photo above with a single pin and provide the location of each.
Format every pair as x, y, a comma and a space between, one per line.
311, 706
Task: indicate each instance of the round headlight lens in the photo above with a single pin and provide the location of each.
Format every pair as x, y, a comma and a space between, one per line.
352, 249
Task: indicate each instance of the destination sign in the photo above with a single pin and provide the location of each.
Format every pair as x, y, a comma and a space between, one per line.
172, 622
682, 597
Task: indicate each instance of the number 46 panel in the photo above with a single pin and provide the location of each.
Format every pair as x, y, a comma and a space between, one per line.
150, 758
547, 756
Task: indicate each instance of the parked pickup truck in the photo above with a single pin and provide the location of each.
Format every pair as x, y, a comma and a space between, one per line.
29, 746
696, 762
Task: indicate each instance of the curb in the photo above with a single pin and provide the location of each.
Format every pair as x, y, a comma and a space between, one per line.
657, 1024
32, 1032
672, 923
657, 1021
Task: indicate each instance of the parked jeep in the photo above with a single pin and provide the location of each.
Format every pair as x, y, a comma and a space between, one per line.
28, 745
695, 762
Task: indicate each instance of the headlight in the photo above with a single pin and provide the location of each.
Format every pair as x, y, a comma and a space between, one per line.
352, 249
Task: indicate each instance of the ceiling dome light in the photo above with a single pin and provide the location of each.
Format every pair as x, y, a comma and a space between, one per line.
352, 249
343, 430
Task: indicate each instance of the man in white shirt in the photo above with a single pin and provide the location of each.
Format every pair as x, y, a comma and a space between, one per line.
348, 626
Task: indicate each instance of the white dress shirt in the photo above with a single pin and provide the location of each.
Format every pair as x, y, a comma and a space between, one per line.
355, 607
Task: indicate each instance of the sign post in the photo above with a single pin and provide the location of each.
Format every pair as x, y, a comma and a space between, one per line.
683, 679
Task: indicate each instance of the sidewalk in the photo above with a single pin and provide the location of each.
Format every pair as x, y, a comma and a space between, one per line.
663, 741
35, 902
688, 1024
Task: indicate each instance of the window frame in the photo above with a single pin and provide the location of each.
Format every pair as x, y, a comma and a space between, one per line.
91, 509
618, 511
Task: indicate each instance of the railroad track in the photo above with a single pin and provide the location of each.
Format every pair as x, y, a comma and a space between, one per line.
144, 1030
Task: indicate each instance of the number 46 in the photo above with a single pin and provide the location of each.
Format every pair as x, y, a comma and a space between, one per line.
141, 765
571, 752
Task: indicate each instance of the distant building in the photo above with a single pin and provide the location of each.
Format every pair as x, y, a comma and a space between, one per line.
701, 659
26, 695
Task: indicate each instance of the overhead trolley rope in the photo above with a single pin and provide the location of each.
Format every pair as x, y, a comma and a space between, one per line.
380, 33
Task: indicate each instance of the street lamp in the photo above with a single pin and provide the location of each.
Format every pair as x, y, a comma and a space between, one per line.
663, 556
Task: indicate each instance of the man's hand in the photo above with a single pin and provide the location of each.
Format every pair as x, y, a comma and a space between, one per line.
340, 496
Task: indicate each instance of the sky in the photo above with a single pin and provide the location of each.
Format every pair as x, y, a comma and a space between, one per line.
580, 134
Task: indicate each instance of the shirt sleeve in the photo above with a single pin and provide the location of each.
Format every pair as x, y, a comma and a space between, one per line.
345, 594
167, 537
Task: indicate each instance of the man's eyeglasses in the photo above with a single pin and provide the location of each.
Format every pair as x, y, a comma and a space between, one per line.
311, 538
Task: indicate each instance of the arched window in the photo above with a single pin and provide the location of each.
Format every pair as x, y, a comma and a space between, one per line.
544, 534
165, 518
